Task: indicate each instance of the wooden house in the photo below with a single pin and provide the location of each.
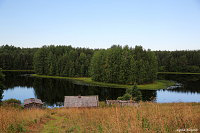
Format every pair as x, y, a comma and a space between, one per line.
33, 103
81, 101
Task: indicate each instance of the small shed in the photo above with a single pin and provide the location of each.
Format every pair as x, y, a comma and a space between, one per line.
33, 103
81, 101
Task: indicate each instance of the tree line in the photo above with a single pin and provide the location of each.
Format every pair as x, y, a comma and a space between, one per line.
62, 61
16, 58
69, 61
124, 65
178, 61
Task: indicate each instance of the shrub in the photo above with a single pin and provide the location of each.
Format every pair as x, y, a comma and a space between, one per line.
125, 97
12, 101
132, 93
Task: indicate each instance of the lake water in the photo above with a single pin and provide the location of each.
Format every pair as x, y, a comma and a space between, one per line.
21, 86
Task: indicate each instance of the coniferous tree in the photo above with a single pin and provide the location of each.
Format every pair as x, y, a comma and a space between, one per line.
40, 61
124, 65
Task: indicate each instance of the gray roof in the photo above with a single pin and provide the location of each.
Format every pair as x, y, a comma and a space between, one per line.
32, 100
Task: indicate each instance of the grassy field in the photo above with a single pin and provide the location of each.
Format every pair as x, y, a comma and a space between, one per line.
158, 84
148, 117
178, 73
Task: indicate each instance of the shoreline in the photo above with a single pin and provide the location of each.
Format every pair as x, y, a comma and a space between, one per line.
187, 73
158, 84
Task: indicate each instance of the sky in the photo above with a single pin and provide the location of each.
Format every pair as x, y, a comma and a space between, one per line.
154, 24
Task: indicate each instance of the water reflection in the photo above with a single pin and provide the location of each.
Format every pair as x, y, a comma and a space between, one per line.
13, 79
191, 83
149, 95
52, 91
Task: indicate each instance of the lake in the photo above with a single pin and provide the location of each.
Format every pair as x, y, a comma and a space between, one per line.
20, 85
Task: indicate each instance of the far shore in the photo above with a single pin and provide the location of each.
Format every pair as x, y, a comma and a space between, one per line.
158, 84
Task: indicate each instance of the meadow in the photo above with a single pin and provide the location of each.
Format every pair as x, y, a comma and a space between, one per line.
147, 117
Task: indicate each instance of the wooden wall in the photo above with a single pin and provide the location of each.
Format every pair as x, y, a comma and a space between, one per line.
81, 101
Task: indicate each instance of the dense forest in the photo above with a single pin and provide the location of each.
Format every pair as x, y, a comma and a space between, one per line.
68, 61
15, 58
179, 61
124, 65
62, 61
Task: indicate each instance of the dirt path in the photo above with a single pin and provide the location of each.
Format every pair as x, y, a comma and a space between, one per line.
38, 127
54, 125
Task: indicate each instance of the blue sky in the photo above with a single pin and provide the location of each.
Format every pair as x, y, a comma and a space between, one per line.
154, 24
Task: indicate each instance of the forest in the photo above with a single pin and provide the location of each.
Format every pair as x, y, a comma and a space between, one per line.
62, 61
124, 65
108, 65
16, 58
178, 61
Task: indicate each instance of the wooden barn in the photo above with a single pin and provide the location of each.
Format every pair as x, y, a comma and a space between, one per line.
33, 103
81, 101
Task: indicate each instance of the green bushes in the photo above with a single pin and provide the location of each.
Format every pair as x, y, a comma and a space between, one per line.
12, 101
132, 94
124, 65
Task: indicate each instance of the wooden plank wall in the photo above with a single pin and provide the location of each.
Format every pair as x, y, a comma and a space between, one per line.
81, 101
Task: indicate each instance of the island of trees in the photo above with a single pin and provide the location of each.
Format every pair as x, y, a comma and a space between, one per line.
124, 65
117, 64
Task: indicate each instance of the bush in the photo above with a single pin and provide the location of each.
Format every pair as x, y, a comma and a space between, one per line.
12, 101
136, 93
132, 94
125, 97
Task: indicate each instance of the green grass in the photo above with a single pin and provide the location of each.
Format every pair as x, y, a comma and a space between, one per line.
158, 84
53, 126
177, 73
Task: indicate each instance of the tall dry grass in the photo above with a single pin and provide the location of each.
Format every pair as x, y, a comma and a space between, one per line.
14, 119
149, 117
